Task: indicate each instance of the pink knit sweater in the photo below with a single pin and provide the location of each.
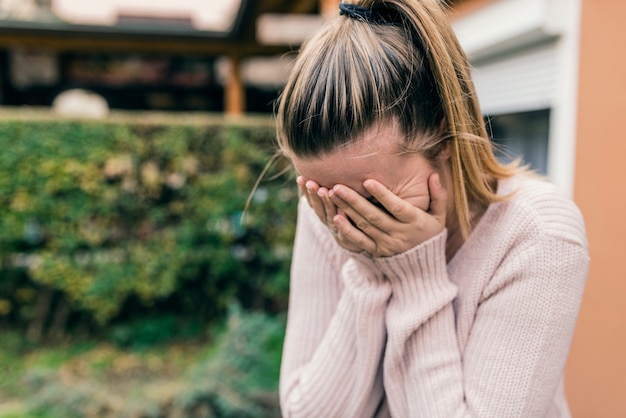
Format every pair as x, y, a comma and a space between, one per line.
485, 335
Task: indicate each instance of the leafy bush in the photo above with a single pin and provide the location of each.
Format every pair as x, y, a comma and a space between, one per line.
105, 223
236, 377
241, 377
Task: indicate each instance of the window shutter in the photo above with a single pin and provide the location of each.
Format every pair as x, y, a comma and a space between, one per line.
518, 82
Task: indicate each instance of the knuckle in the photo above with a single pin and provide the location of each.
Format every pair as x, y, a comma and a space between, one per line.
422, 221
373, 217
369, 220
380, 251
398, 209
363, 224
361, 242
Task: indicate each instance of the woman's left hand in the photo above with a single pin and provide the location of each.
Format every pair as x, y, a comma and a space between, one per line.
398, 227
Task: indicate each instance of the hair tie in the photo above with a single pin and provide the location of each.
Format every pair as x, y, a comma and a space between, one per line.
354, 11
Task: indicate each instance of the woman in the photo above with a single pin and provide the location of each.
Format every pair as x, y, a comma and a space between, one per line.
428, 279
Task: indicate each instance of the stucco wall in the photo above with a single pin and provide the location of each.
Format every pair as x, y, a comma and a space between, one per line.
596, 371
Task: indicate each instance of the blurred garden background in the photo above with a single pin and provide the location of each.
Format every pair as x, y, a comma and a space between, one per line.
133, 283
145, 226
146, 222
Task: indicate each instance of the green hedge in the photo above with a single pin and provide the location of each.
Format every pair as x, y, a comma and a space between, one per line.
135, 218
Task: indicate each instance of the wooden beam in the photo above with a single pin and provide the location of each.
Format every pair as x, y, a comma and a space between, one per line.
235, 97
162, 45
329, 8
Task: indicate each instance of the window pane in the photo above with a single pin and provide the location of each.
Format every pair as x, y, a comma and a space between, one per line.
522, 135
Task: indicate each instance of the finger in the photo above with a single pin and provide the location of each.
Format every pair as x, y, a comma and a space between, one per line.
352, 237
330, 210
364, 214
400, 209
438, 198
343, 240
302, 187
314, 200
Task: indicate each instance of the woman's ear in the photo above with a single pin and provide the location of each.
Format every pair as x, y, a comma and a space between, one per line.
444, 155
443, 126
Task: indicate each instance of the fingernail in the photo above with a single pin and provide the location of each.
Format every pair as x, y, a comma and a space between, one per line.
368, 184
339, 190
309, 185
300, 180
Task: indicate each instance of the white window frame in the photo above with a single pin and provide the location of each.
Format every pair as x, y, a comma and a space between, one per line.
496, 35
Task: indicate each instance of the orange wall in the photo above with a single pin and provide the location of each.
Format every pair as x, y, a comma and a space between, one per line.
596, 371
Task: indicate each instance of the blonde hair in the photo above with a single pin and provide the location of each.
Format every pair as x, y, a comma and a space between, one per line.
406, 64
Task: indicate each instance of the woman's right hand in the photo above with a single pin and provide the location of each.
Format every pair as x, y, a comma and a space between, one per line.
325, 209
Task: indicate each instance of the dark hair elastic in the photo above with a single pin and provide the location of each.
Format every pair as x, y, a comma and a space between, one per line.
354, 11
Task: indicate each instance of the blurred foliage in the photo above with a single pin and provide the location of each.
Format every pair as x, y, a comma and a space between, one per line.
135, 227
241, 377
237, 376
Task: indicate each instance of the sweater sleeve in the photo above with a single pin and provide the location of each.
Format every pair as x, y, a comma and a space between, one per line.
520, 337
331, 364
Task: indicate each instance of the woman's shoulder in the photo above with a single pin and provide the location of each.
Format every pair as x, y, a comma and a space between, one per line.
533, 204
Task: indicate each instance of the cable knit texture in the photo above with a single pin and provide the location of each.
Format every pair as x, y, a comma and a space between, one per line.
485, 335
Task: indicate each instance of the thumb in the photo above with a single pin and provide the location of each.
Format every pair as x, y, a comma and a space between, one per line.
438, 198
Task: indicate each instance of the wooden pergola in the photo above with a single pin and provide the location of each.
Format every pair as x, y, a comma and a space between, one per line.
238, 43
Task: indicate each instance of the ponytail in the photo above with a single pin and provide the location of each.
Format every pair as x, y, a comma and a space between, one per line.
393, 59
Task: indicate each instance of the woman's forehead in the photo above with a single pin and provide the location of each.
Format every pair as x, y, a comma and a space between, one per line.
338, 168
374, 157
